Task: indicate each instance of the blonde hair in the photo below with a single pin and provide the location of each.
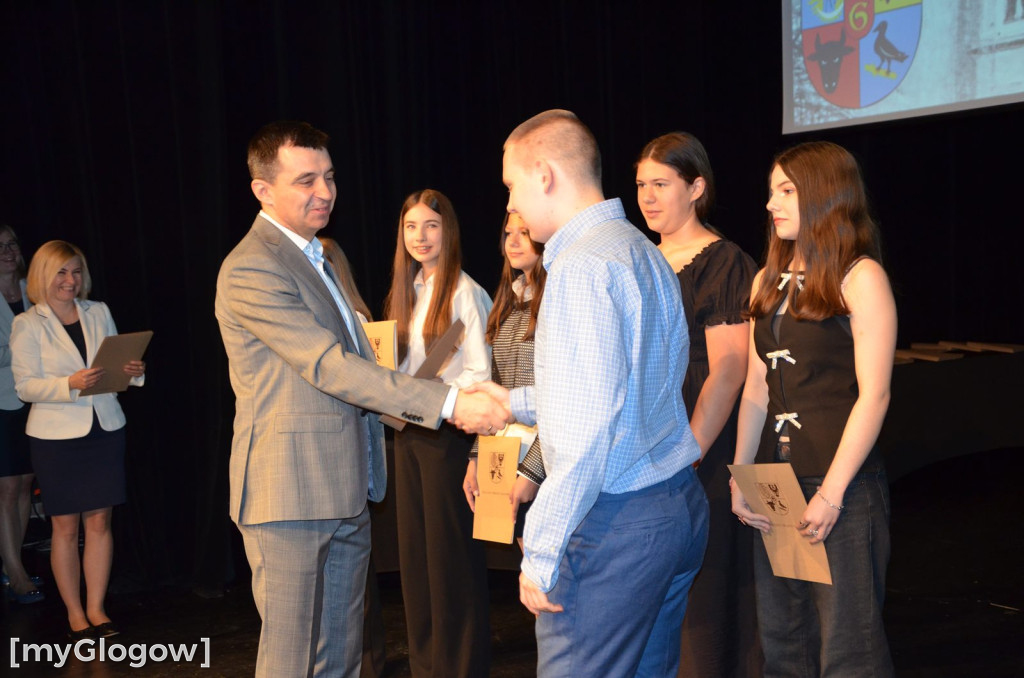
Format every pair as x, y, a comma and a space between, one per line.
45, 264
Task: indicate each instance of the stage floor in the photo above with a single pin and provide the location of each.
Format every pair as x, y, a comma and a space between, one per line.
954, 604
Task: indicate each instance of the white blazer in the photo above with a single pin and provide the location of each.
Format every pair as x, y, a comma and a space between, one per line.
8, 397
43, 357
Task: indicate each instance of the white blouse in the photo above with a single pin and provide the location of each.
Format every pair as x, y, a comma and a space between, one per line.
471, 362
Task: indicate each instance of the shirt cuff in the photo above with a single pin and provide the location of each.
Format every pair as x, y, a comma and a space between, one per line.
543, 583
520, 401
449, 403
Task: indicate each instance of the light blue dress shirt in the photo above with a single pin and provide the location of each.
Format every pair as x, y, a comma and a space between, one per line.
314, 251
611, 352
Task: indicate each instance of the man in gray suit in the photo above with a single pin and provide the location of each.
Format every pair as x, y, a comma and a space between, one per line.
308, 445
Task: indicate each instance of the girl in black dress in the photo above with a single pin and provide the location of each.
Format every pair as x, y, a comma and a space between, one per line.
675, 190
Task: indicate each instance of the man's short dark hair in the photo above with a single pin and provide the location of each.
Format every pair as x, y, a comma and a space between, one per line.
265, 143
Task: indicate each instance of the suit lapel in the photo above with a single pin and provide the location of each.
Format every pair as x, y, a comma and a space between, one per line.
92, 328
6, 315
56, 330
294, 260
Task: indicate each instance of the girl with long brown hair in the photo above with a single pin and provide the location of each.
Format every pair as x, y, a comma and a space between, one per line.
444, 576
510, 329
823, 337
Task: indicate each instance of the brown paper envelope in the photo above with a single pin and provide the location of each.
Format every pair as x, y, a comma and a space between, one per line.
383, 337
496, 476
773, 490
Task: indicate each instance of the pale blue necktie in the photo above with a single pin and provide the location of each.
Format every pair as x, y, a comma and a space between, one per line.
314, 251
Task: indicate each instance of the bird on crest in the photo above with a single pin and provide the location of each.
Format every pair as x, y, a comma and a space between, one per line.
886, 51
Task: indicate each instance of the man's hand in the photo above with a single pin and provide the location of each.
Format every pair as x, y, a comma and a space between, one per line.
499, 393
535, 600
477, 412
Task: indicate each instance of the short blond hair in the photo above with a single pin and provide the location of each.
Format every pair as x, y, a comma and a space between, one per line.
559, 135
47, 260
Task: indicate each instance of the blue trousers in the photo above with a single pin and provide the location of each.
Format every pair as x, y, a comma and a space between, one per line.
623, 583
814, 630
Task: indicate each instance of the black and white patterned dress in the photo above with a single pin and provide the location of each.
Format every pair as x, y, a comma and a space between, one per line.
512, 367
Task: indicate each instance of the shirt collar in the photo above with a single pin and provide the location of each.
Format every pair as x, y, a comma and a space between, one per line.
299, 241
419, 282
522, 290
574, 229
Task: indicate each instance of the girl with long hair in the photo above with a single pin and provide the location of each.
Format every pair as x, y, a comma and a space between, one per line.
510, 329
822, 342
443, 572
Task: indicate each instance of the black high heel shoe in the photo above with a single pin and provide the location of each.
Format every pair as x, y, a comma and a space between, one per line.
82, 634
105, 630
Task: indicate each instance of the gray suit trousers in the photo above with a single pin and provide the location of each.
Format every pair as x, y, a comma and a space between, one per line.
296, 566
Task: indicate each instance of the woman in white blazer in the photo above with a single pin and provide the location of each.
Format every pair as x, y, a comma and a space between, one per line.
77, 441
15, 464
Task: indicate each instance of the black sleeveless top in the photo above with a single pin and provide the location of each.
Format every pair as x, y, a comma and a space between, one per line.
812, 387
77, 336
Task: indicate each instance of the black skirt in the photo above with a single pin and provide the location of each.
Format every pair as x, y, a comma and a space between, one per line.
80, 474
14, 454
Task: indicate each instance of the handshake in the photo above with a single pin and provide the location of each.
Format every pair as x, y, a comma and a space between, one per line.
482, 408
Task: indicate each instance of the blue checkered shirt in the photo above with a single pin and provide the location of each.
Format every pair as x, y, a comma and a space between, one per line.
611, 352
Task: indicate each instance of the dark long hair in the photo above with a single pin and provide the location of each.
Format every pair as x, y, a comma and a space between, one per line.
835, 230
505, 300
402, 297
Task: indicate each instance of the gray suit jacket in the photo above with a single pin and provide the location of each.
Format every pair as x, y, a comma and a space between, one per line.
304, 445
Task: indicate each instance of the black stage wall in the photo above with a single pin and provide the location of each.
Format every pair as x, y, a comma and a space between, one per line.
123, 127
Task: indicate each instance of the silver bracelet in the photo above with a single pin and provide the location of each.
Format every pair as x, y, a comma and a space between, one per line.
825, 499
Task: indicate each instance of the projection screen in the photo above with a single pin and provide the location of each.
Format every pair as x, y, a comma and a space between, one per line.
847, 62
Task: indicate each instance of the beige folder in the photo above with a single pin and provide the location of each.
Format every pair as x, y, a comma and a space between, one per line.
113, 354
383, 336
496, 466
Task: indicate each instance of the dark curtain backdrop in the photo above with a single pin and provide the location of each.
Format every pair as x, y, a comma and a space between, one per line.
124, 125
